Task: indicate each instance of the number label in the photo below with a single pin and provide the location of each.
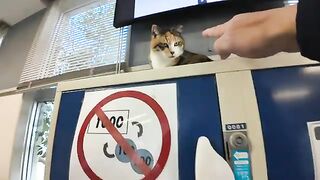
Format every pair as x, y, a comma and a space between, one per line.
239, 126
118, 118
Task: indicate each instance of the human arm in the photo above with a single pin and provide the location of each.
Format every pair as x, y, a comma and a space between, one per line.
256, 34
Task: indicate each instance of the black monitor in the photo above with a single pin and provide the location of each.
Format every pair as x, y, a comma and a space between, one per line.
127, 11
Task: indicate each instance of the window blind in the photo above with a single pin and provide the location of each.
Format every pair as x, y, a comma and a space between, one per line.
84, 38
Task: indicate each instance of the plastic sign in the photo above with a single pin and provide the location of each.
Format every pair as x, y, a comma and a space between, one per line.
128, 133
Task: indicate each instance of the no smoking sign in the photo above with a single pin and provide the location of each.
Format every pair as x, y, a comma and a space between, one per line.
127, 134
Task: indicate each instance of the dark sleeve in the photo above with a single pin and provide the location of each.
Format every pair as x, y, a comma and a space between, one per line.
308, 28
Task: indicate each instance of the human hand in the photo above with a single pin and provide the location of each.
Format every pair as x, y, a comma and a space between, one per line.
256, 34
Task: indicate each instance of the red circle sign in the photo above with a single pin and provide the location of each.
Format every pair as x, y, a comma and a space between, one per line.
166, 135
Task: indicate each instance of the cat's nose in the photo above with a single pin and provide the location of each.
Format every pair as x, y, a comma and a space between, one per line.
172, 52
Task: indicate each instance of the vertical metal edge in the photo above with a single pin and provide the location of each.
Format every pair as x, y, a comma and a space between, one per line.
127, 57
238, 104
55, 113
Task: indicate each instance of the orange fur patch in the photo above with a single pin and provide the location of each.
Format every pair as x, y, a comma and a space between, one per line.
166, 38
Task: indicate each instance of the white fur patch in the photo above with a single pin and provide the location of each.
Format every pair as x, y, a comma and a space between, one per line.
160, 60
178, 50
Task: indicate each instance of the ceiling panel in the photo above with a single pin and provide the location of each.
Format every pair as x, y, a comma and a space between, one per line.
13, 11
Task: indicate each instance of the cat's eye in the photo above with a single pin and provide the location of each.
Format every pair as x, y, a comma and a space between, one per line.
178, 43
163, 45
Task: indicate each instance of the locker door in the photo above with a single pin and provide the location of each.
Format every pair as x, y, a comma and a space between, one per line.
288, 98
198, 115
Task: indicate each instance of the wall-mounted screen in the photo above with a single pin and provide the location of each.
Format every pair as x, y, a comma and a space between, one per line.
147, 7
129, 10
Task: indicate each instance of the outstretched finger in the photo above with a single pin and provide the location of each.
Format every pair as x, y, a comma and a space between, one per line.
215, 31
222, 47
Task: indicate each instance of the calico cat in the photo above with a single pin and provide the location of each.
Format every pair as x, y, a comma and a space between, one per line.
167, 48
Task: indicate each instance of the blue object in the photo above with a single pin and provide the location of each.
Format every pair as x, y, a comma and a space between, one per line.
147, 157
69, 111
202, 1
288, 98
121, 155
199, 115
241, 164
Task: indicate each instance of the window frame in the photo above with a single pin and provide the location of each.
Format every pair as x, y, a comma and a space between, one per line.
28, 111
30, 151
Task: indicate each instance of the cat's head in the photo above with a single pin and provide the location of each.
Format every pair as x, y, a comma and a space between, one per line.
167, 42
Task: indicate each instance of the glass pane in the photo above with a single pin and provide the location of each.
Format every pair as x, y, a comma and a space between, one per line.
86, 38
37, 141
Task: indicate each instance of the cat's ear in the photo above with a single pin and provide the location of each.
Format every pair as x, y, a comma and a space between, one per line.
155, 30
179, 28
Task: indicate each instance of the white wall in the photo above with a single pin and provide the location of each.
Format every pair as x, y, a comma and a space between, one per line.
10, 107
15, 48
